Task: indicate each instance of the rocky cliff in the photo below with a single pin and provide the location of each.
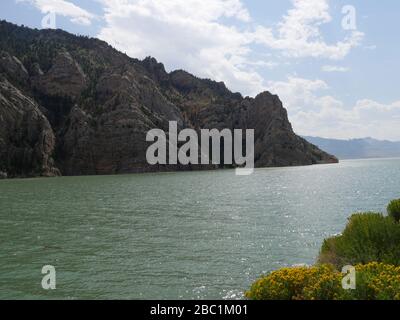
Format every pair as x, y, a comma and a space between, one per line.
75, 106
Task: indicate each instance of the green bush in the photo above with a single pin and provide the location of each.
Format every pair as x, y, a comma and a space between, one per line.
367, 237
374, 281
393, 210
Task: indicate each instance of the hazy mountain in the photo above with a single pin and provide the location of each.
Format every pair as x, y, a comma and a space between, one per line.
358, 148
73, 105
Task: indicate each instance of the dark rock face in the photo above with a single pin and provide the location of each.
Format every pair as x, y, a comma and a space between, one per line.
72, 105
26, 138
65, 77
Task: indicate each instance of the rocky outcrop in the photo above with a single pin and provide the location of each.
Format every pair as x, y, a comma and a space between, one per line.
65, 77
27, 140
72, 105
13, 67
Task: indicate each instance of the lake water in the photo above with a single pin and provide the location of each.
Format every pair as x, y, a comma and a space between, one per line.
198, 235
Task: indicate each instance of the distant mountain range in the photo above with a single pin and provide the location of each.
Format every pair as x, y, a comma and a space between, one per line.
357, 148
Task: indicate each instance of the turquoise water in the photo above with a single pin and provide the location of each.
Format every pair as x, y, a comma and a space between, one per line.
198, 235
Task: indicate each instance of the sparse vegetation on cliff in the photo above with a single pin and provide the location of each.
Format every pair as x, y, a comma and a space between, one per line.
93, 106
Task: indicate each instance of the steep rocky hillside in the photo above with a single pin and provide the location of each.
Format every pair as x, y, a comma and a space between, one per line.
75, 106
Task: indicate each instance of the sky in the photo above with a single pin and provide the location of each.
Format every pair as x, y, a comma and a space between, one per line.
335, 64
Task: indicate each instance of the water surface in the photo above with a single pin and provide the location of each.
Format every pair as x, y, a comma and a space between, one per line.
196, 235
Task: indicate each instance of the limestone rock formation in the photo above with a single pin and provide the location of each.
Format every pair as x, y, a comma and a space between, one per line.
73, 105
27, 140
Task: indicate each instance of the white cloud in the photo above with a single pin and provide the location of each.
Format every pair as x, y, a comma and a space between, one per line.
64, 8
192, 34
297, 92
195, 35
186, 34
316, 114
329, 68
299, 33
204, 37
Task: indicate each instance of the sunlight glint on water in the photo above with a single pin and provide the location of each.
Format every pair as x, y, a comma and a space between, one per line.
204, 235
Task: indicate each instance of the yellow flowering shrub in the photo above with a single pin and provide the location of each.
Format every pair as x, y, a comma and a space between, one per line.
298, 283
374, 281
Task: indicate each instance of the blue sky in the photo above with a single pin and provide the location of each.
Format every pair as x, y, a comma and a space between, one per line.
335, 82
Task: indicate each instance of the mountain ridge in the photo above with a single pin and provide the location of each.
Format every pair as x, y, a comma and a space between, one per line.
360, 148
73, 105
